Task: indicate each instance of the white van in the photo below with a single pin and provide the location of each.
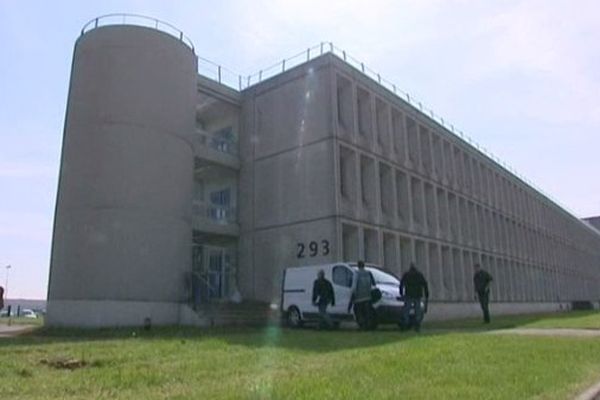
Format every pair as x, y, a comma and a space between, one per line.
296, 296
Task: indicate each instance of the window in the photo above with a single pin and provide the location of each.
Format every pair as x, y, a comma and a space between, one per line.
368, 181
350, 242
224, 140
344, 103
413, 142
383, 123
402, 197
425, 148
364, 112
221, 198
398, 135
347, 174
220, 209
342, 276
386, 186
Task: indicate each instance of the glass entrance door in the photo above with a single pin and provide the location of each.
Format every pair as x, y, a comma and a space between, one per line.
213, 272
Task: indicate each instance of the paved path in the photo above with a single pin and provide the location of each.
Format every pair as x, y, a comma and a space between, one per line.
592, 393
547, 332
14, 330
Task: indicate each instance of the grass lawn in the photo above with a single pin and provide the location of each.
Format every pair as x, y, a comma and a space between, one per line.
274, 363
39, 321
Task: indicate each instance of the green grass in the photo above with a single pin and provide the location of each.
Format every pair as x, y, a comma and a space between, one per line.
273, 363
23, 321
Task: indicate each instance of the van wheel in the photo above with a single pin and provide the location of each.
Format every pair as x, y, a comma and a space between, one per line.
294, 320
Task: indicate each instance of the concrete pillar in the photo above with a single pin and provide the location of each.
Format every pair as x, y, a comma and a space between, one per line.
122, 232
457, 272
403, 199
434, 272
448, 274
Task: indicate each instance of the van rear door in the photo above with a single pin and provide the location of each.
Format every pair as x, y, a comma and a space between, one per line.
342, 278
297, 289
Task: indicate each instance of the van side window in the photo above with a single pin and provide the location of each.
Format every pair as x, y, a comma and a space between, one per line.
342, 276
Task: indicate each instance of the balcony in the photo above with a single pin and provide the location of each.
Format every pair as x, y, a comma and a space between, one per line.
218, 147
211, 218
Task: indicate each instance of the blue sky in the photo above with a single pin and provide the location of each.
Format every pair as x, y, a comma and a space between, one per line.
522, 78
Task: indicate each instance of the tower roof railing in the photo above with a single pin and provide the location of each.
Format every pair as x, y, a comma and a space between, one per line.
240, 82
137, 20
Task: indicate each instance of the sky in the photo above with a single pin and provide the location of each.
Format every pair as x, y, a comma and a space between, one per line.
521, 78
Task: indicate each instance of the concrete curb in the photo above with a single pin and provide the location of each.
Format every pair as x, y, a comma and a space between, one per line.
593, 393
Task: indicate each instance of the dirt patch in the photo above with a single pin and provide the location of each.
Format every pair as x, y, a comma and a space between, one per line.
64, 363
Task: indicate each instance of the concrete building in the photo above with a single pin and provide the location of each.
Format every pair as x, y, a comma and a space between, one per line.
594, 221
177, 189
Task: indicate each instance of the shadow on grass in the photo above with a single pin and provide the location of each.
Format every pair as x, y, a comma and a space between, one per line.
273, 336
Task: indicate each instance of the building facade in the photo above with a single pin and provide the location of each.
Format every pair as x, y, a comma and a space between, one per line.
178, 191
593, 221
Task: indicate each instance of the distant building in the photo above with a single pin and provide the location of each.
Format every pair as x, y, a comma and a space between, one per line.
175, 189
594, 221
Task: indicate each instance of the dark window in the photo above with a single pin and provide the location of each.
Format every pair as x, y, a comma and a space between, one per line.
342, 276
221, 198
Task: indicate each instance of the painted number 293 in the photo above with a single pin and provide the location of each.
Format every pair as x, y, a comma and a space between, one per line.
313, 249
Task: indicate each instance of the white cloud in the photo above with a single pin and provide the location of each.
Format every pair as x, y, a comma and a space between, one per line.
551, 43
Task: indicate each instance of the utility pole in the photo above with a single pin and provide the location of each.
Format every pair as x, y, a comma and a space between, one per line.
8, 267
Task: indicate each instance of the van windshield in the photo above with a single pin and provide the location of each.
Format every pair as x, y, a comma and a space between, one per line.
379, 276
382, 277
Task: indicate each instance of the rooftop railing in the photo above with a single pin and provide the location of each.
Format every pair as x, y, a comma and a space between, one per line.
137, 20
240, 82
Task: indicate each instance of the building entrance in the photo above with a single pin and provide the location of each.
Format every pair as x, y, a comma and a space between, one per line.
213, 273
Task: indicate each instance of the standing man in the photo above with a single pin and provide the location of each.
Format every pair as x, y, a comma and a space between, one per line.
361, 298
1, 298
481, 281
413, 287
322, 296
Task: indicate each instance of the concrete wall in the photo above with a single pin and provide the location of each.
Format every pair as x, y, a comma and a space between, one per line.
407, 190
286, 179
122, 227
410, 190
449, 311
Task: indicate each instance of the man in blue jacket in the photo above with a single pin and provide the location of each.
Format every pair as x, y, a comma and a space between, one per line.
361, 299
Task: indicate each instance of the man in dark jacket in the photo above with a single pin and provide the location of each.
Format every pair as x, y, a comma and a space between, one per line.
481, 281
322, 296
413, 287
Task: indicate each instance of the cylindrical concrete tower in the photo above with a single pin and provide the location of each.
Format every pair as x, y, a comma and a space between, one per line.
122, 229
